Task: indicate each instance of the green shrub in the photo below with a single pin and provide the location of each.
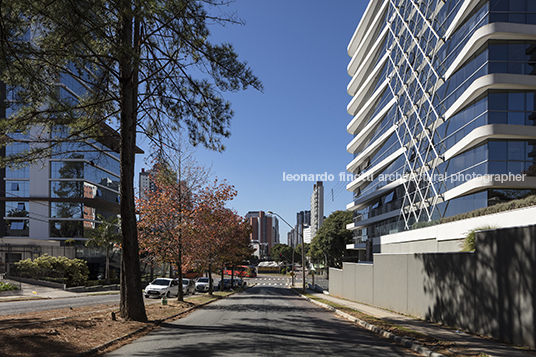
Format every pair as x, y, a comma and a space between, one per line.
468, 243
283, 270
8, 287
74, 271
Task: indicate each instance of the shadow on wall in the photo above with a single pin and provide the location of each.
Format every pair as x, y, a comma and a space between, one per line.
491, 291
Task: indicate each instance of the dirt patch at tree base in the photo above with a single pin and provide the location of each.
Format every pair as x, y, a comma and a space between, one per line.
75, 331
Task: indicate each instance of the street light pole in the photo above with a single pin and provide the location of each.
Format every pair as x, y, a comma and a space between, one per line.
292, 267
303, 249
303, 257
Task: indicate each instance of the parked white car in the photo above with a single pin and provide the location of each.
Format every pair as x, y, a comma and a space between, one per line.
161, 287
188, 286
202, 284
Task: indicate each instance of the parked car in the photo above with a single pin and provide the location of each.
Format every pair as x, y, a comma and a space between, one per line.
240, 283
161, 287
188, 286
202, 284
226, 284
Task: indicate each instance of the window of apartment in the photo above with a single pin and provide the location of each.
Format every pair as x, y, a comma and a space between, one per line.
17, 188
17, 225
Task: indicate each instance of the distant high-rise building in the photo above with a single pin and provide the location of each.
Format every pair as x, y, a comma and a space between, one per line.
303, 217
146, 182
317, 208
307, 234
265, 231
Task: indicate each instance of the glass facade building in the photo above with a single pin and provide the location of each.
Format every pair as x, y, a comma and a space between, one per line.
59, 197
443, 110
62, 195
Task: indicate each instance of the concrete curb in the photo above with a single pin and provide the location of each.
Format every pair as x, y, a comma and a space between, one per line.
397, 339
141, 329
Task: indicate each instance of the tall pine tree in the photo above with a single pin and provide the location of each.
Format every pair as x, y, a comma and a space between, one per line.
135, 66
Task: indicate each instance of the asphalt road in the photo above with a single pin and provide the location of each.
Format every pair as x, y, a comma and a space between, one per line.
21, 307
261, 321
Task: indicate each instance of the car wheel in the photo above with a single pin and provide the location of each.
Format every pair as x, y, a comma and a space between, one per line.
146, 296
168, 295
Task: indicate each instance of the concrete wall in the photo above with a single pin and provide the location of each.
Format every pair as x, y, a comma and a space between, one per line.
491, 291
336, 281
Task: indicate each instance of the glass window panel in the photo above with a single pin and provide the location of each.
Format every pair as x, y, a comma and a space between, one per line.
517, 18
16, 225
481, 106
498, 101
481, 153
515, 167
17, 188
67, 189
67, 169
17, 228
497, 167
498, 5
516, 52
515, 67
497, 118
516, 118
531, 18
66, 210
530, 101
66, 229
18, 173
498, 17
516, 101
517, 5
16, 209
481, 120
497, 150
498, 52
516, 150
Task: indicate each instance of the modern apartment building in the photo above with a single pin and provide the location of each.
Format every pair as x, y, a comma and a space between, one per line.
61, 196
317, 207
443, 118
57, 198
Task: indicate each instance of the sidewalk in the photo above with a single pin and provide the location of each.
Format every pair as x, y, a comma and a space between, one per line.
28, 290
477, 344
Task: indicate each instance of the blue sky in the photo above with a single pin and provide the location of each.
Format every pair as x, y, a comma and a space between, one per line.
298, 125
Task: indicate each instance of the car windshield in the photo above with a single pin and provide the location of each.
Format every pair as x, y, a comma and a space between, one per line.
202, 280
185, 281
160, 282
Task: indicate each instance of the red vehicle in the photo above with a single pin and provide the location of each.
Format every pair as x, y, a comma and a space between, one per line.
242, 271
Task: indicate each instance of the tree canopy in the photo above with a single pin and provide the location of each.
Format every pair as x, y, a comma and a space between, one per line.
282, 253
105, 71
331, 239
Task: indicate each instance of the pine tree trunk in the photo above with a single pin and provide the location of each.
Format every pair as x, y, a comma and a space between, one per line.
131, 305
107, 272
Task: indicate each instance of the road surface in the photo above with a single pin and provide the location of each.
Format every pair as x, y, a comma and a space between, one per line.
261, 321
